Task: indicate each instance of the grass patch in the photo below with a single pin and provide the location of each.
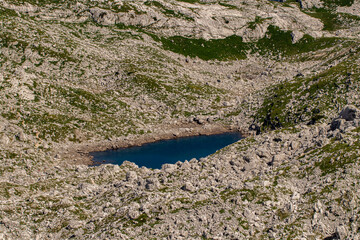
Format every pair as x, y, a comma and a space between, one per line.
341, 3
125, 7
278, 42
307, 99
275, 42
168, 12
258, 21
5, 13
339, 155
228, 48
191, 1
328, 18
246, 194
139, 221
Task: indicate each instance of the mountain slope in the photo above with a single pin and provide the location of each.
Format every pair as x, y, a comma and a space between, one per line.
93, 75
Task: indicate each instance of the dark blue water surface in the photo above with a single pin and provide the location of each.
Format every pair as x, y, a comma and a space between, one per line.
154, 155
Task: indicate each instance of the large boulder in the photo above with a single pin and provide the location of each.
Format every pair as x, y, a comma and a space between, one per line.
337, 123
349, 116
349, 113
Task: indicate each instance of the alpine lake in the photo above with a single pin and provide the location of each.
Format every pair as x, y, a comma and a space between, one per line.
154, 155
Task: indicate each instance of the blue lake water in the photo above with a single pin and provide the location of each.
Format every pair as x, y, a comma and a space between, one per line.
154, 155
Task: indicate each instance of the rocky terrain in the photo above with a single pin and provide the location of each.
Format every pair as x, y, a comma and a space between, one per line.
82, 76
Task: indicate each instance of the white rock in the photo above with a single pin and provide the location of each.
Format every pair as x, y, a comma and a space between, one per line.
188, 187
131, 176
278, 159
295, 196
169, 168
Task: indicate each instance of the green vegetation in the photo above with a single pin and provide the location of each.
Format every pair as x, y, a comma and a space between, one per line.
95, 112
8, 40
243, 223
75, 82
228, 5
229, 48
245, 194
38, 3
275, 42
341, 3
279, 42
55, 126
168, 12
166, 93
139, 221
282, 214
331, 158
322, 93
5, 13
333, 21
126, 7
190, 1
258, 21
328, 18
339, 155
226, 194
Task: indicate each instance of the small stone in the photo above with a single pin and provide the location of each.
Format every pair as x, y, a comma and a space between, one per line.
188, 187
131, 176
295, 196
266, 183
152, 183
338, 136
294, 145
4, 140
278, 159
133, 214
21, 136
263, 153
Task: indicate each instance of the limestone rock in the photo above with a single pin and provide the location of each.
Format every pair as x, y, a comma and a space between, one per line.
350, 113
4, 140
348, 117
131, 176
152, 183
169, 168
278, 159
308, 4
188, 187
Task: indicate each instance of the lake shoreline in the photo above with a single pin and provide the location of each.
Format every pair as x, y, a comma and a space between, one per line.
79, 154
154, 155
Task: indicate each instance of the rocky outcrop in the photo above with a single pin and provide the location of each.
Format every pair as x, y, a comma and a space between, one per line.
348, 117
308, 4
298, 178
208, 21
